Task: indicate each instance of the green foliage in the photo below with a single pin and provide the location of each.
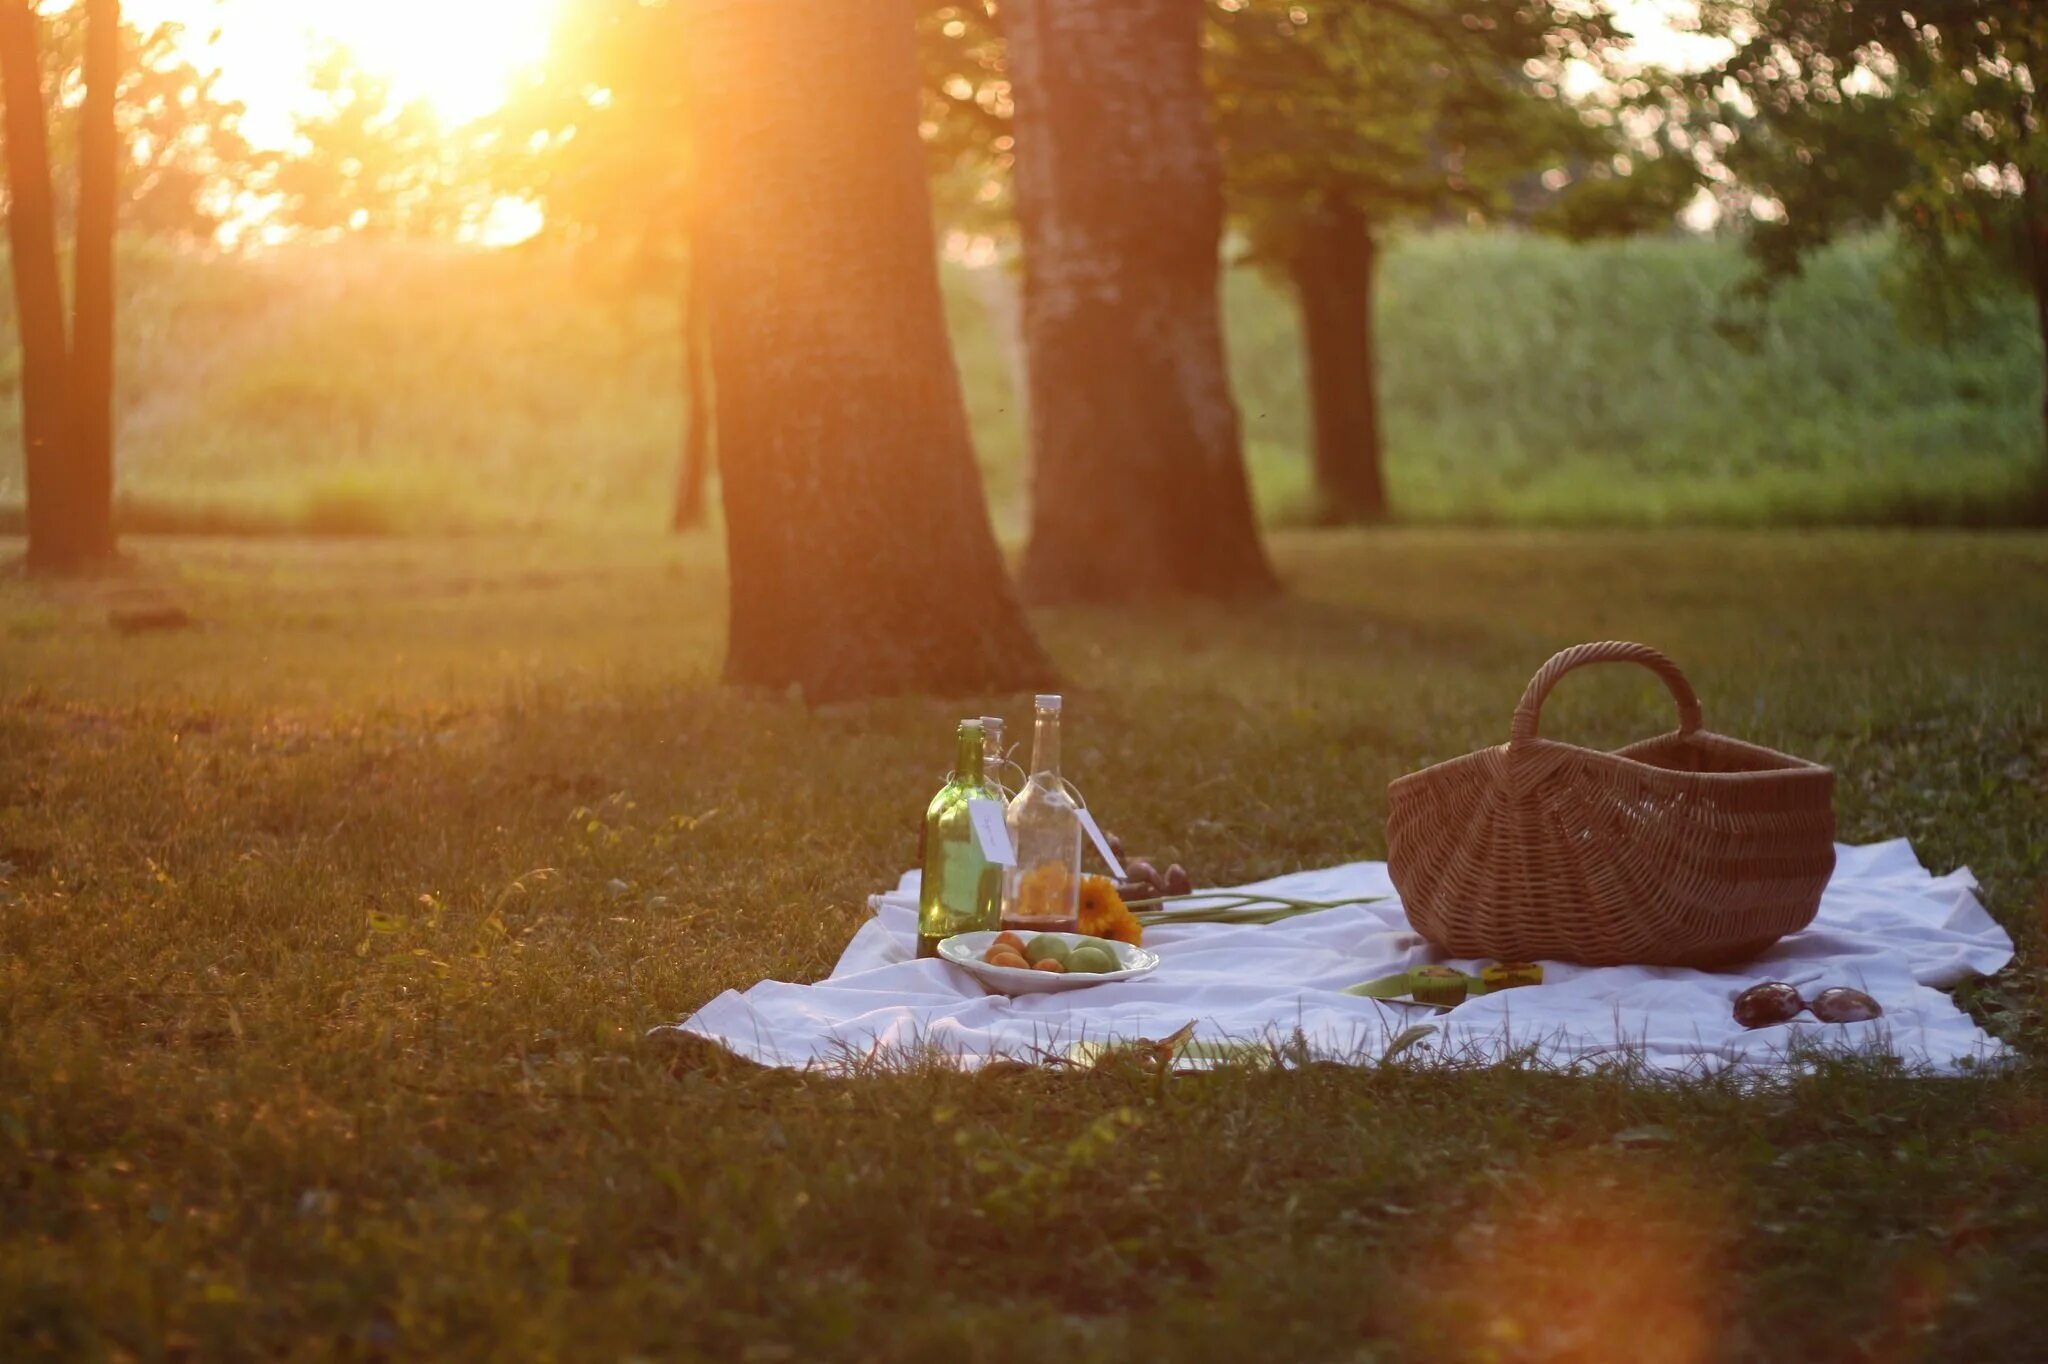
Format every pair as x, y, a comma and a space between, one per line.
1530, 379
1442, 110
600, 139
964, 115
329, 934
367, 163
1525, 379
187, 154
1927, 115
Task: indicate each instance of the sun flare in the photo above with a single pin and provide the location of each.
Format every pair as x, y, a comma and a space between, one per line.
455, 54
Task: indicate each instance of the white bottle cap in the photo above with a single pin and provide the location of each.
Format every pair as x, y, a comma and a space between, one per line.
1047, 702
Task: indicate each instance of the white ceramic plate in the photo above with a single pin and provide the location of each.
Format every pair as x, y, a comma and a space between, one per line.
964, 951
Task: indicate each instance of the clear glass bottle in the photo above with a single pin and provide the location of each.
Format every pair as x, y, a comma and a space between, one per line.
1042, 892
959, 890
994, 762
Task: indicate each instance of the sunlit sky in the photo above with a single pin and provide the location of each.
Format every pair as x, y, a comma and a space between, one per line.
458, 54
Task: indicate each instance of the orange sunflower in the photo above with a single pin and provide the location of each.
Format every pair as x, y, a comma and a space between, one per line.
1104, 914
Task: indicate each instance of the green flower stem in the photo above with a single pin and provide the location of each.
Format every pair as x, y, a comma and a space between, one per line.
1233, 909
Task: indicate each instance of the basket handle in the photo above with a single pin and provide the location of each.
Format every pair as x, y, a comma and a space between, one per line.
1607, 651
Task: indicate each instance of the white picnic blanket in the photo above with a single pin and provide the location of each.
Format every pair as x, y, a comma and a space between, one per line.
1886, 926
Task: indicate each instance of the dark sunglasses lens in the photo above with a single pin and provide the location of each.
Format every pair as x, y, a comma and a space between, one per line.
1773, 1002
1844, 1005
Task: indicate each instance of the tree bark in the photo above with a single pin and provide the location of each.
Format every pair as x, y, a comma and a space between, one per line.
862, 557
92, 321
2034, 226
2040, 290
1138, 474
1332, 264
695, 474
38, 290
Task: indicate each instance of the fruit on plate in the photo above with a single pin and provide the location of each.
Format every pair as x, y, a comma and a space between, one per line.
1093, 959
1053, 955
1438, 985
1046, 946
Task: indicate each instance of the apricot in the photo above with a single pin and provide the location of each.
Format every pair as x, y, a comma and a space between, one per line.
1007, 958
1051, 964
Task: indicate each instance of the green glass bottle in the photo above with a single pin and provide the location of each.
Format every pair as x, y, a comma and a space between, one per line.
959, 890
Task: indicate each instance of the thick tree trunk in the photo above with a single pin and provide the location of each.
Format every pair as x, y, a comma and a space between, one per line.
1138, 474
92, 320
2041, 326
1332, 265
38, 292
695, 474
860, 548
2035, 228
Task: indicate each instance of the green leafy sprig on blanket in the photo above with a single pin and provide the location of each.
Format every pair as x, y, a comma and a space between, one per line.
1233, 907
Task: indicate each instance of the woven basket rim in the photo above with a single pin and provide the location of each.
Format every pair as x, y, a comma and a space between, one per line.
1795, 767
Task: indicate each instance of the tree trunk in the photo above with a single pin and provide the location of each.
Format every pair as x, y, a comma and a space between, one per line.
2034, 225
92, 320
1332, 265
38, 291
2041, 327
1139, 485
861, 554
696, 468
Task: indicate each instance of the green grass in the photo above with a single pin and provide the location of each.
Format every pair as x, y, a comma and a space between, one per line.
329, 931
356, 388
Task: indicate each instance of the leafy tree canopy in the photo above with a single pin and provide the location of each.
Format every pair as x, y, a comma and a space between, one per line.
187, 159
1431, 109
1928, 116
601, 139
367, 162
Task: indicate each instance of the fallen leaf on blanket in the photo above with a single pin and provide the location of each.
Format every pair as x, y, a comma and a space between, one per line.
1164, 1051
1405, 1039
1181, 1046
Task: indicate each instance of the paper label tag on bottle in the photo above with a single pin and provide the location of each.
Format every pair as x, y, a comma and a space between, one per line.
991, 833
1101, 844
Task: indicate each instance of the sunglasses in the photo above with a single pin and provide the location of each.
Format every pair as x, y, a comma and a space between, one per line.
1774, 1002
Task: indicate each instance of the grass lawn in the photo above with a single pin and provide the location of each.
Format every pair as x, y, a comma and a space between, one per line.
329, 931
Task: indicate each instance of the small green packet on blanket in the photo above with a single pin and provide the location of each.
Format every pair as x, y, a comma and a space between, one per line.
1445, 988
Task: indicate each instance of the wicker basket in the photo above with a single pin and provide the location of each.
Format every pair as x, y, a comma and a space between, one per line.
1690, 849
